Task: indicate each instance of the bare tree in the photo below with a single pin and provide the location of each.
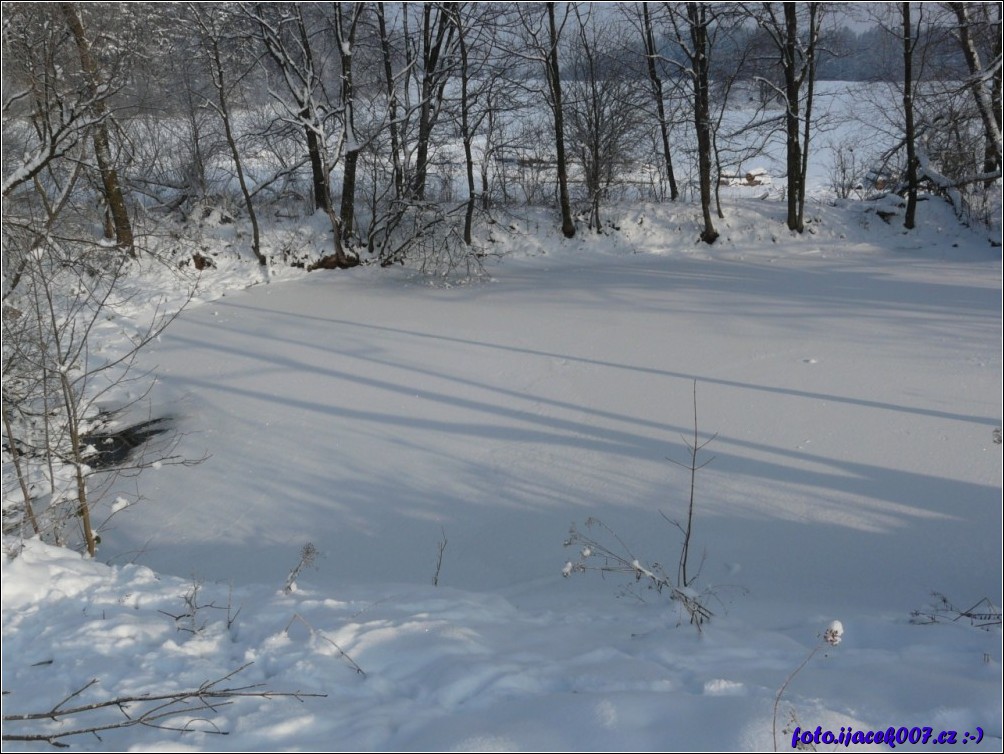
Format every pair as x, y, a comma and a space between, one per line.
476, 26
438, 44
985, 81
797, 50
942, 144
911, 39
604, 104
466, 127
98, 89
553, 70
46, 123
692, 28
44, 114
655, 81
347, 17
542, 33
210, 21
390, 83
54, 383
284, 32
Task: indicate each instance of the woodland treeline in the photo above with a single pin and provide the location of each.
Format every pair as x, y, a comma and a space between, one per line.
401, 122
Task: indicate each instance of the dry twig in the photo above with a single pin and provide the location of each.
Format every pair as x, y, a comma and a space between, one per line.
153, 710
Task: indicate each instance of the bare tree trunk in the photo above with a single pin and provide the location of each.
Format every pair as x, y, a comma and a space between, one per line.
437, 39
797, 57
698, 21
395, 141
198, 173
318, 166
586, 112
792, 126
989, 107
485, 193
319, 179
295, 58
216, 61
997, 89
554, 80
657, 93
911, 148
346, 39
15, 454
102, 149
810, 81
70, 401
465, 128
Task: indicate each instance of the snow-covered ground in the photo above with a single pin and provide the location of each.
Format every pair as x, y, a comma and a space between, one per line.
849, 381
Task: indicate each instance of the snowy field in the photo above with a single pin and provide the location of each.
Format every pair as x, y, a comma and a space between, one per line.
848, 380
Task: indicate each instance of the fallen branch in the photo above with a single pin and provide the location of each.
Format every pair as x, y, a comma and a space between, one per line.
155, 708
